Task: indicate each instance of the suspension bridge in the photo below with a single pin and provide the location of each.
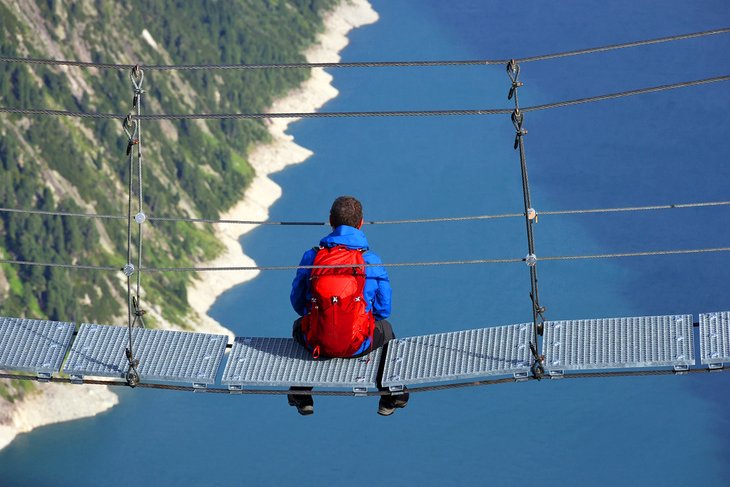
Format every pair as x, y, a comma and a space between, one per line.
136, 356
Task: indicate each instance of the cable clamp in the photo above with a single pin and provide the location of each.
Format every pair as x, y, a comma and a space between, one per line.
517, 119
132, 375
513, 90
130, 128
128, 269
537, 368
540, 310
137, 95
531, 260
137, 77
140, 217
513, 70
135, 305
130, 144
532, 214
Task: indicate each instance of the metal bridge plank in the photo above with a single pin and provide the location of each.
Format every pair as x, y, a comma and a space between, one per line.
500, 350
164, 355
617, 343
256, 361
33, 345
715, 338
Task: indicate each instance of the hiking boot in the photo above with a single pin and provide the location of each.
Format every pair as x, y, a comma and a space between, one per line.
388, 404
303, 403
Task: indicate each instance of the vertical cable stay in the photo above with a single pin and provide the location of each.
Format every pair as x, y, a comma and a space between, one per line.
137, 77
513, 71
132, 128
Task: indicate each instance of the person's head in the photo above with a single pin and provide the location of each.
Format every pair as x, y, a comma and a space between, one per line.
346, 210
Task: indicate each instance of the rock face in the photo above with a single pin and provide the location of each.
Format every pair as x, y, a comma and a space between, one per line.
53, 403
196, 169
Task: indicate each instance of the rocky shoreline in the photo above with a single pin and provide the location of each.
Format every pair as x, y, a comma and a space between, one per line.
54, 403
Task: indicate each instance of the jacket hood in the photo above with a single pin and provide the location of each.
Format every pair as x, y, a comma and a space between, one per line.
350, 237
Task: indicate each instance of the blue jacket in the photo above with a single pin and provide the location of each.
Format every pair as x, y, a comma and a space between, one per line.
377, 285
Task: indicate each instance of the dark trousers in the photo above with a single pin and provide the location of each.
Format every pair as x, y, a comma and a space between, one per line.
382, 334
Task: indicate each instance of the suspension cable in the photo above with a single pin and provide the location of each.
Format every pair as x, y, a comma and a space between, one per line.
442, 263
366, 64
136, 76
62, 213
622, 94
130, 127
384, 264
64, 266
497, 216
365, 114
513, 71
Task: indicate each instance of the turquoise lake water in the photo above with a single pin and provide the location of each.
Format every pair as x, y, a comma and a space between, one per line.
662, 148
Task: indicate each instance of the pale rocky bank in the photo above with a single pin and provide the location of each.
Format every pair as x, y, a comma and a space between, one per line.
54, 403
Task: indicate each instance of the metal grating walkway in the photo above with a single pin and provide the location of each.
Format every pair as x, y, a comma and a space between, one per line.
164, 355
617, 343
501, 350
715, 338
283, 362
34, 345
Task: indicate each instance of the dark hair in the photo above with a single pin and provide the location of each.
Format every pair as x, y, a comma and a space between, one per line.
346, 210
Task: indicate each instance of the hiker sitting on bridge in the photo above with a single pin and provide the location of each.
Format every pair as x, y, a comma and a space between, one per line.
343, 310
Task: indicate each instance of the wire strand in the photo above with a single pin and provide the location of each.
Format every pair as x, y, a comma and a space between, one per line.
497, 216
385, 264
363, 64
440, 263
65, 266
366, 114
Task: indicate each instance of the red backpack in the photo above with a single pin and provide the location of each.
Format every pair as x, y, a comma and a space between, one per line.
337, 324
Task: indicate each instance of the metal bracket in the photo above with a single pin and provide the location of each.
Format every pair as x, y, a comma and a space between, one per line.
360, 391
521, 376
235, 389
199, 386
680, 369
556, 374
716, 366
44, 376
76, 379
396, 390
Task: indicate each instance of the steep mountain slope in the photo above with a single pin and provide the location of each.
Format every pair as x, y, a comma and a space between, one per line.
195, 169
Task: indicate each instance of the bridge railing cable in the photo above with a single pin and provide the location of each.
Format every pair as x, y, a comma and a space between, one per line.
133, 123
446, 219
365, 114
365, 64
385, 264
530, 216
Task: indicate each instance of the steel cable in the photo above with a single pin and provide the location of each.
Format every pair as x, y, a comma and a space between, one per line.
365, 64
385, 264
64, 266
366, 114
497, 216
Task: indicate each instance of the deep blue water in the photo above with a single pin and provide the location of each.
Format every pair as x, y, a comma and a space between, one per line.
669, 147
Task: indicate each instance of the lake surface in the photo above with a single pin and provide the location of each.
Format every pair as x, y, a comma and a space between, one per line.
663, 148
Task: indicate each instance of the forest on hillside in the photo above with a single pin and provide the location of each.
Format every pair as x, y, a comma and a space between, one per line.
79, 165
